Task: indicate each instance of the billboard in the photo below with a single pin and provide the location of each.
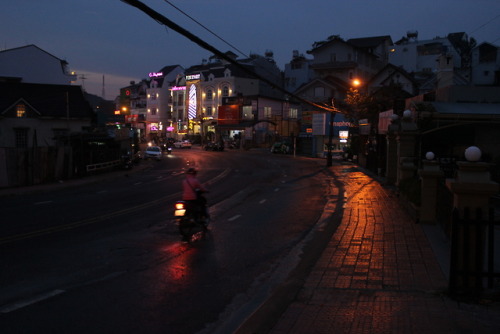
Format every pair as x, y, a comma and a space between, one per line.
228, 114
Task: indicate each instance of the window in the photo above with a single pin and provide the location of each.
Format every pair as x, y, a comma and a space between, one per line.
267, 112
209, 111
210, 95
225, 91
319, 91
247, 113
20, 110
21, 138
293, 113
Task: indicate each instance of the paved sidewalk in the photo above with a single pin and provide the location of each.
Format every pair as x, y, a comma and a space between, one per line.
379, 274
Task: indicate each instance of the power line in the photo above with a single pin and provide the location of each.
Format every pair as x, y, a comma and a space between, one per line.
165, 21
485, 24
204, 27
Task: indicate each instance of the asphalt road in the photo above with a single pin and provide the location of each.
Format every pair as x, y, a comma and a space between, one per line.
105, 257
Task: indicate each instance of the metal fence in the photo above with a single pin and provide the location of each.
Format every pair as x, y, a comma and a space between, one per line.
473, 252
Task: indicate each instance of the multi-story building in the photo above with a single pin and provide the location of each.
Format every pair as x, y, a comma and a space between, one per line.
159, 116
224, 100
486, 65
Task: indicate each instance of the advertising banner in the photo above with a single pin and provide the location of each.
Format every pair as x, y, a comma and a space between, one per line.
228, 114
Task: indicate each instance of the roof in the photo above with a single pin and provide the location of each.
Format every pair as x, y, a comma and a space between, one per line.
467, 108
369, 42
46, 100
31, 46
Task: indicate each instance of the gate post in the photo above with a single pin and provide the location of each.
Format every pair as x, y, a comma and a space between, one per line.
430, 175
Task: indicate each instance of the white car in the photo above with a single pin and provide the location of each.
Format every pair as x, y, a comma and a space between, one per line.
153, 152
183, 144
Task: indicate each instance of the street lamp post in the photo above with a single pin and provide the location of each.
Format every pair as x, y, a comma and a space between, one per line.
330, 140
330, 135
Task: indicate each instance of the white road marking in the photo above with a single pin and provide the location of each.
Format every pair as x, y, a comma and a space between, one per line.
276, 189
27, 302
262, 201
233, 218
44, 202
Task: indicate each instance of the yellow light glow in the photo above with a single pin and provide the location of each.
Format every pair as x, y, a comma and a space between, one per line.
356, 82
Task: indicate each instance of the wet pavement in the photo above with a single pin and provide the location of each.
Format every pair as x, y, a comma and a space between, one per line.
381, 274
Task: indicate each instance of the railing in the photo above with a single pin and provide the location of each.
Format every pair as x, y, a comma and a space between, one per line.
472, 262
103, 165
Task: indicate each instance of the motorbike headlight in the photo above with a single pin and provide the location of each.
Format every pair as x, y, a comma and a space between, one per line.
179, 206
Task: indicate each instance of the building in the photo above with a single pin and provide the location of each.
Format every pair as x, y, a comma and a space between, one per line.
486, 65
30, 64
160, 108
225, 100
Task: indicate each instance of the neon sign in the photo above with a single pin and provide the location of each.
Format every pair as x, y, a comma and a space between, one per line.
155, 74
193, 77
178, 88
192, 102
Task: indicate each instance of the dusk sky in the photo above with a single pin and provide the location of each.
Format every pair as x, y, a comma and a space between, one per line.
114, 39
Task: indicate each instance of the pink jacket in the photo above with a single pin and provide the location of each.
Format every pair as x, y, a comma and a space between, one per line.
189, 184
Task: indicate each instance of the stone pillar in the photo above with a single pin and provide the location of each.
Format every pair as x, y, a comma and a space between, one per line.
391, 167
430, 174
406, 147
473, 187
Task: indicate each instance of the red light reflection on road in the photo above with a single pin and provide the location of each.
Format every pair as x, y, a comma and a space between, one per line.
179, 266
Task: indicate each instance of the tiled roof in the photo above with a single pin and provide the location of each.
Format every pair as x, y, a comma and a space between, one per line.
47, 100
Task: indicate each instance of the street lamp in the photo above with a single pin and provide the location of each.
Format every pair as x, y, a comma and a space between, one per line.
330, 136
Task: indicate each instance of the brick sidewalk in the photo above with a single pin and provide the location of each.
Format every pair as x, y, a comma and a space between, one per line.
379, 274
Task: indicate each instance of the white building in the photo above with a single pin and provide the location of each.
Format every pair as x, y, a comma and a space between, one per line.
486, 65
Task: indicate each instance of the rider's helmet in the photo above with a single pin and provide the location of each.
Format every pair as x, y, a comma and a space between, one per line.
191, 171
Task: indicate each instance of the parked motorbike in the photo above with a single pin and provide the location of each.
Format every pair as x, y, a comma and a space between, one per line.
214, 146
192, 219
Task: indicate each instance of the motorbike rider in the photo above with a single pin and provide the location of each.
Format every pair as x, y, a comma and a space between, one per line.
192, 190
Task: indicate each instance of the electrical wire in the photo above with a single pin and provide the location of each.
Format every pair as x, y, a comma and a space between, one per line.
207, 29
165, 21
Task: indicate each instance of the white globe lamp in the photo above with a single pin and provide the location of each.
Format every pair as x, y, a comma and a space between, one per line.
472, 154
429, 156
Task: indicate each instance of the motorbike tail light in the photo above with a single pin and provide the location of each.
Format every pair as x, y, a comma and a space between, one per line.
179, 206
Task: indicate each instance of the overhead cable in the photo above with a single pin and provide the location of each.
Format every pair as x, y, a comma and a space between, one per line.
165, 21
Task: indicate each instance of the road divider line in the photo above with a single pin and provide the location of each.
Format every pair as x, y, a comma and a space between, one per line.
102, 217
233, 218
30, 301
44, 202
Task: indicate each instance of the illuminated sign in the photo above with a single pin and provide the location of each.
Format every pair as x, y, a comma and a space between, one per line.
343, 134
178, 88
192, 102
228, 114
193, 77
154, 127
170, 128
155, 74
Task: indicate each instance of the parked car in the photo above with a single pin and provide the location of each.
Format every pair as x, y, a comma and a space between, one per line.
153, 152
183, 144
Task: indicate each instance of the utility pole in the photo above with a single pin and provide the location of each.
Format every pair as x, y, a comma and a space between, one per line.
330, 136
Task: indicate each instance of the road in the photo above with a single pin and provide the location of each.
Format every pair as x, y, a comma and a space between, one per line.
105, 257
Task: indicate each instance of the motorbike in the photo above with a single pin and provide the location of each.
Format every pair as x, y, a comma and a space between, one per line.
169, 150
212, 146
192, 219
